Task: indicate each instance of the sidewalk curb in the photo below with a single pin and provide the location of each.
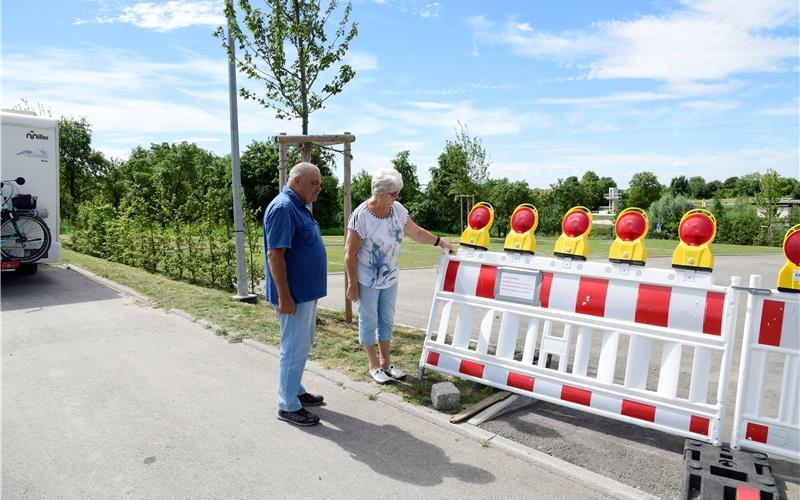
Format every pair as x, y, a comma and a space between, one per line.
483, 437
107, 282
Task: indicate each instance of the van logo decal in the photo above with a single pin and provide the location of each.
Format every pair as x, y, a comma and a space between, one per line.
33, 135
37, 153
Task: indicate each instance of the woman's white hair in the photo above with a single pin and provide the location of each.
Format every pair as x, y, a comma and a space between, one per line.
386, 180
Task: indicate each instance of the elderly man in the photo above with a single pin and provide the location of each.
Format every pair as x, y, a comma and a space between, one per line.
295, 269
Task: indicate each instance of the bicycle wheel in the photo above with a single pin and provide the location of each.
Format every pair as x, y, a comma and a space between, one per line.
27, 244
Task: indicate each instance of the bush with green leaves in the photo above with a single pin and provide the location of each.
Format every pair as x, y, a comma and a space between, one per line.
666, 213
201, 253
739, 224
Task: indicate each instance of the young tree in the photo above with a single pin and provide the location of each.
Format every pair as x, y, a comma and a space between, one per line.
679, 185
770, 190
748, 185
462, 170
408, 170
80, 164
643, 191
290, 78
697, 187
361, 187
259, 166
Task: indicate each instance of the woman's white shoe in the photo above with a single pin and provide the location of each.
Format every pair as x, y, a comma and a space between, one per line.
396, 373
380, 376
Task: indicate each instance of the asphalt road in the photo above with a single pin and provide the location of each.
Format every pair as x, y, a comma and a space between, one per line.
105, 397
646, 459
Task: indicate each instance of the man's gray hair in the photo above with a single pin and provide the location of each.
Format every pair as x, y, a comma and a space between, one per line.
386, 180
300, 170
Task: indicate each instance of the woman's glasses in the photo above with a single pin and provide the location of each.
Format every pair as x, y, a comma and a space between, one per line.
394, 195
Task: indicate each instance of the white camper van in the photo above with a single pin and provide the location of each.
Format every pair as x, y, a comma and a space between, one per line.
30, 150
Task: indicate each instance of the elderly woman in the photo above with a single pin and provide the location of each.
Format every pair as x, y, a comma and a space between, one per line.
374, 234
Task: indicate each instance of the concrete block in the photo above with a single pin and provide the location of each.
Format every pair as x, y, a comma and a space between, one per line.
445, 396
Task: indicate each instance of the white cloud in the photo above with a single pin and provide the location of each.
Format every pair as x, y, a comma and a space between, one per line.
792, 109
132, 101
430, 10
168, 16
361, 61
749, 14
709, 40
687, 48
443, 118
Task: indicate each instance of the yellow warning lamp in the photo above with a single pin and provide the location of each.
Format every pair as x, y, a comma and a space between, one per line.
479, 221
524, 222
575, 228
696, 231
789, 276
631, 228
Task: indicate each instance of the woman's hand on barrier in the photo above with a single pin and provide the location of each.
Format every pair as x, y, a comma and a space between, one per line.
352, 291
447, 246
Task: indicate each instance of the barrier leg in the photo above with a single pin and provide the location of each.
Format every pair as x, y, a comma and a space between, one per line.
670, 369
507, 338
485, 332
701, 365
531, 337
444, 322
789, 409
608, 357
638, 363
748, 392
463, 329
583, 346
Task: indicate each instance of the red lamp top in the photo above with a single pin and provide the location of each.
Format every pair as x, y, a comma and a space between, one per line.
696, 229
791, 247
523, 219
630, 226
479, 217
575, 223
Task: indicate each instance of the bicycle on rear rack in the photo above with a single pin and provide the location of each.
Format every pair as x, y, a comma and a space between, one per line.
25, 236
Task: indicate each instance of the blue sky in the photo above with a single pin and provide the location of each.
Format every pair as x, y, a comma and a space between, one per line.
695, 87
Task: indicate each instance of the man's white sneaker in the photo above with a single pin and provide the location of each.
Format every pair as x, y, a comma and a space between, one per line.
379, 376
395, 372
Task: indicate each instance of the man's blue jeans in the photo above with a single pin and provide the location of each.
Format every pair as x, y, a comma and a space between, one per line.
297, 335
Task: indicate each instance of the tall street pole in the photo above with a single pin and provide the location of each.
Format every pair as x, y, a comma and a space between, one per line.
238, 225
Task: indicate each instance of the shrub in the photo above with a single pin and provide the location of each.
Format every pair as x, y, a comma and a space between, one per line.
666, 213
739, 225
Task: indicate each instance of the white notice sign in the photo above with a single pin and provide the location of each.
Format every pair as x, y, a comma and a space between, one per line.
519, 286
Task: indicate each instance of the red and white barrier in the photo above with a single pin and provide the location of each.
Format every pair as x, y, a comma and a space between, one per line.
587, 315
771, 335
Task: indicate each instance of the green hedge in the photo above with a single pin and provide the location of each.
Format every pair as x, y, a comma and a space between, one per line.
202, 253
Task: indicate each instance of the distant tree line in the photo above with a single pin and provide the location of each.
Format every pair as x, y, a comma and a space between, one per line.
172, 196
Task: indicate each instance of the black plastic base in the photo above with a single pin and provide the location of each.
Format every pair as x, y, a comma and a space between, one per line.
631, 262
789, 290
515, 250
711, 472
477, 247
692, 268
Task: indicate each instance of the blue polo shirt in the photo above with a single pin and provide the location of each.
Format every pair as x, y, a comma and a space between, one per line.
288, 224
